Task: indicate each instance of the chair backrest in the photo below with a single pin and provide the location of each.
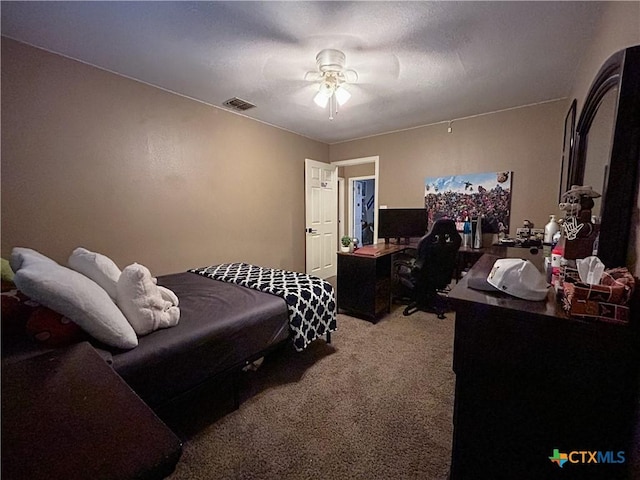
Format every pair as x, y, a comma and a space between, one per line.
437, 254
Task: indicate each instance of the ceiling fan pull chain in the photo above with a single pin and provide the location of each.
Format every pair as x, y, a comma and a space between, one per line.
331, 101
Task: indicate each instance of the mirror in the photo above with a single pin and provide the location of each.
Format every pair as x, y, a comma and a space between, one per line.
600, 139
607, 150
567, 150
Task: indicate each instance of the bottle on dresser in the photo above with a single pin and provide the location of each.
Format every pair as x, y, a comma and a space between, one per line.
477, 241
550, 229
466, 233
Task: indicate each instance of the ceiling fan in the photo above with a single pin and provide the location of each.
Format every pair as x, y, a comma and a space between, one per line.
332, 76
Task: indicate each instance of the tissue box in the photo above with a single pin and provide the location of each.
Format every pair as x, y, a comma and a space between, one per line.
567, 274
605, 301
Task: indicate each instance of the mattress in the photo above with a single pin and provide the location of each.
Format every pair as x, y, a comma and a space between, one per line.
221, 325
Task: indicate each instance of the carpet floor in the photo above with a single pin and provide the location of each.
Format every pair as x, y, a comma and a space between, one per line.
375, 404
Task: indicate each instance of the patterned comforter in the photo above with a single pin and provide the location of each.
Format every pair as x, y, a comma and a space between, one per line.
310, 300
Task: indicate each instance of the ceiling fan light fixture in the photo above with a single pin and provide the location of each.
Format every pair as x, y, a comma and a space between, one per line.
332, 76
321, 99
342, 95
325, 92
327, 87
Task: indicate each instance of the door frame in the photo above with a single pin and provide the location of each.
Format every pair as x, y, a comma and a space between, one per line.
351, 209
341, 219
375, 159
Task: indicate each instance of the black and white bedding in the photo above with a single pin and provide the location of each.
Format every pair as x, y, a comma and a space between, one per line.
310, 300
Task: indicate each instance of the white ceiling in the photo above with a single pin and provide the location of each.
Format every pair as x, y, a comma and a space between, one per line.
418, 63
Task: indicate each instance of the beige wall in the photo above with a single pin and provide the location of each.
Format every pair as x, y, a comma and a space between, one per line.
527, 141
94, 159
362, 170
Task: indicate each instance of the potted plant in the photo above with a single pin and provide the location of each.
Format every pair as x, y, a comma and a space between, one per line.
346, 243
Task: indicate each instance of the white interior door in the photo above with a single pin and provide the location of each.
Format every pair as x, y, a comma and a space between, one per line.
321, 218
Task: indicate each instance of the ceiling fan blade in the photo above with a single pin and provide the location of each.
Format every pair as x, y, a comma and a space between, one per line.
287, 64
313, 76
350, 76
373, 66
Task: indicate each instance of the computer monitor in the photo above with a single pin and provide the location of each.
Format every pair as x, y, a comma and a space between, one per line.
402, 223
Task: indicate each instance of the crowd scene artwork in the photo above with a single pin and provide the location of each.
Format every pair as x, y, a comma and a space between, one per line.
479, 194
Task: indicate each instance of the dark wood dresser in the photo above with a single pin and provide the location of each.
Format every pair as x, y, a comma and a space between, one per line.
530, 380
67, 415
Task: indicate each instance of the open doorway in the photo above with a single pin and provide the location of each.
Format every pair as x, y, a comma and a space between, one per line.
362, 169
363, 200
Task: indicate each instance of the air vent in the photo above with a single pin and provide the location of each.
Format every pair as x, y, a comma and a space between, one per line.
238, 104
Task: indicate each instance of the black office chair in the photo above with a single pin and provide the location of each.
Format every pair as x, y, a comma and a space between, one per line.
426, 277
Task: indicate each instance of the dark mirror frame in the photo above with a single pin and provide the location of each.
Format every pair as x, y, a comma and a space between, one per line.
567, 149
622, 69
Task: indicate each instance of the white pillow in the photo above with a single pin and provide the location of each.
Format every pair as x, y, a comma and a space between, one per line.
21, 257
146, 306
99, 268
78, 298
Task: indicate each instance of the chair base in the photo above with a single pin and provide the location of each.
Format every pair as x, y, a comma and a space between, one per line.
414, 307
437, 305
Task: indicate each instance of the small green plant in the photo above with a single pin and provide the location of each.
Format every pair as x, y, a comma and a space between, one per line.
346, 241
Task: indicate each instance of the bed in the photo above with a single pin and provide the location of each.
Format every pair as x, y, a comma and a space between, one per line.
229, 315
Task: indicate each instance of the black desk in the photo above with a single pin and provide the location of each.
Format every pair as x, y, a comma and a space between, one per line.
530, 380
364, 281
67, 415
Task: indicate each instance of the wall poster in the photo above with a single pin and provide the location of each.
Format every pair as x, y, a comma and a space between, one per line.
459, 196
